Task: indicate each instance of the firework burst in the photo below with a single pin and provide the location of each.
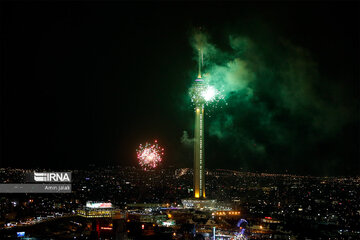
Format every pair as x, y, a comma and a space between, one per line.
204, 93
149, 155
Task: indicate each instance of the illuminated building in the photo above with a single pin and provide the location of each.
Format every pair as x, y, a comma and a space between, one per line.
199, 161
100, 210
201, 204
201, 94
226, 213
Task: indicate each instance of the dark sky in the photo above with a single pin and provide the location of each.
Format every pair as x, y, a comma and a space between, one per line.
86, 83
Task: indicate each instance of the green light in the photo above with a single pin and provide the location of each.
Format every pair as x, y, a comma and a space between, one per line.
209, 93
203, 93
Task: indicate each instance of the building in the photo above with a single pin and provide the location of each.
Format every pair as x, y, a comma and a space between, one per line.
200, 94
100, 210
199, 161
200, 204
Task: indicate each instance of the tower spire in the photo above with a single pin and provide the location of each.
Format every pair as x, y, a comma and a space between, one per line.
200, 62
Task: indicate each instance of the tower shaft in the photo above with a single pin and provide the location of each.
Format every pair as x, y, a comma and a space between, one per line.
199, 162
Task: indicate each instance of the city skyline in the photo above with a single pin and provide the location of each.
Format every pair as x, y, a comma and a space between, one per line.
273, 205
86, 84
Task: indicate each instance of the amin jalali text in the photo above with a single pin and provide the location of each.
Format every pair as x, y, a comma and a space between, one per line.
58, 187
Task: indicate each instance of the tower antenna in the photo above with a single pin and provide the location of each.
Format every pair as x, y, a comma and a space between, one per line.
200, 62
202, 58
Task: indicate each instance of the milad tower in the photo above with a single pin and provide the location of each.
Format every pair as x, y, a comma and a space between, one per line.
201, 93
199, 161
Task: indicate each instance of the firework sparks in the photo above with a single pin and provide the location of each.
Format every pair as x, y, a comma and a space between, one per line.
149, 155
209, 94
204, 93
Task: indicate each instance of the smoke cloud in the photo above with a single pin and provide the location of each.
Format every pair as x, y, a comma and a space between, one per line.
277, 105
186, 140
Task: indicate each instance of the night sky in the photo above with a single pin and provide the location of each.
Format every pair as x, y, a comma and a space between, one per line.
86, 83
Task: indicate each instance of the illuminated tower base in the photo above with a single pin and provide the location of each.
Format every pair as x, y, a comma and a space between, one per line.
199, 163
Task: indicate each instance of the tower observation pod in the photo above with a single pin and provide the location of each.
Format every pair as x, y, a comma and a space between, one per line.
199, 161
